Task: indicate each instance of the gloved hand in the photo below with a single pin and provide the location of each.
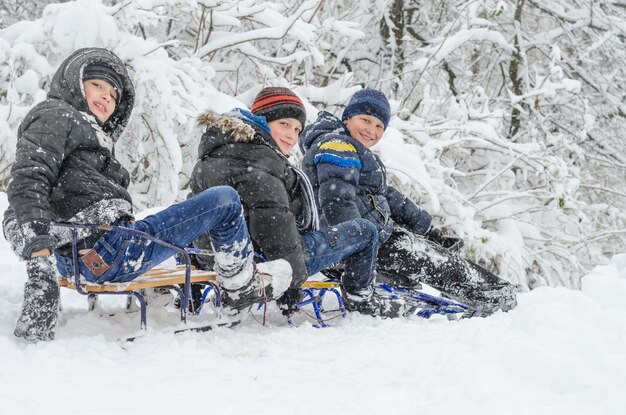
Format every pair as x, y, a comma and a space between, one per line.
451, 243
35, 239
37, 243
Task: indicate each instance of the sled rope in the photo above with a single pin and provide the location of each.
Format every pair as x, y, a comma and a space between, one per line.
262, 280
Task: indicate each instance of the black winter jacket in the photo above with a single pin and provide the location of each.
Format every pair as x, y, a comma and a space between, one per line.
241, 154
65, 168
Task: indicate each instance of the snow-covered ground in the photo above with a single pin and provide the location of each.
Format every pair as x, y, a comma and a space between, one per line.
559, 352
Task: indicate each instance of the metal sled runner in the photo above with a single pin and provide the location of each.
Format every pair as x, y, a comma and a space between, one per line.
426, 305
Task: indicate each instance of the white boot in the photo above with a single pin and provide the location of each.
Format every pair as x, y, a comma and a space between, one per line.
256, 283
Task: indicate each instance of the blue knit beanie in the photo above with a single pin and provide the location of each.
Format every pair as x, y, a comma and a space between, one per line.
370, 102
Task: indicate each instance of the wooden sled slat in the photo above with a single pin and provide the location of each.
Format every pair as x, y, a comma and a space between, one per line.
156, 277
159, 276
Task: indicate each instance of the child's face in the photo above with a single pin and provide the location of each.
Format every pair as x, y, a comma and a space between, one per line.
285, 132
101, 98
366, 129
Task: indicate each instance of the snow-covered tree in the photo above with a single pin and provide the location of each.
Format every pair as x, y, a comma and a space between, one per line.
497, 108
509, 113
13, 11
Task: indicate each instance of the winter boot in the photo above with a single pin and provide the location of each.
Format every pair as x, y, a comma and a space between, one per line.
256, 283
500, 296
486, 297
376, 305
40, 309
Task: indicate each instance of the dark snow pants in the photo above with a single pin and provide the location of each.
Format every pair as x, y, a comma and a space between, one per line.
407, 259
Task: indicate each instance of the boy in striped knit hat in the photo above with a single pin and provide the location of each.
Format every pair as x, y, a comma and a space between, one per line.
249, 150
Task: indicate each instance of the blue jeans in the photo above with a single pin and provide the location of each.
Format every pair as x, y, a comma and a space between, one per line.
217, 211
355, 243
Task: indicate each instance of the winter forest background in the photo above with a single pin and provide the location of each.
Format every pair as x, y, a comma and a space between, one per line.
508, 114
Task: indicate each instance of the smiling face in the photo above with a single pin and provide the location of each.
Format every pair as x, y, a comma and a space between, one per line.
285, 132
366, 129
101, 98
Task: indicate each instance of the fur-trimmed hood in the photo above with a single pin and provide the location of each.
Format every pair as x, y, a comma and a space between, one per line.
236, 126
228, 125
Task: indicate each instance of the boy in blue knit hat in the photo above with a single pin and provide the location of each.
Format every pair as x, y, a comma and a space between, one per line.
350, 182
367, 116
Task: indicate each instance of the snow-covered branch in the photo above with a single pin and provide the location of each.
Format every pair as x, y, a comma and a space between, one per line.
226, 40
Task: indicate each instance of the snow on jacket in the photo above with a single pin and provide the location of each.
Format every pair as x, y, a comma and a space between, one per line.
65, 168
350, 181
237, 150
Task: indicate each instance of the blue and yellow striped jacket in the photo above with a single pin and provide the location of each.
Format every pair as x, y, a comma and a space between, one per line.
350, 181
